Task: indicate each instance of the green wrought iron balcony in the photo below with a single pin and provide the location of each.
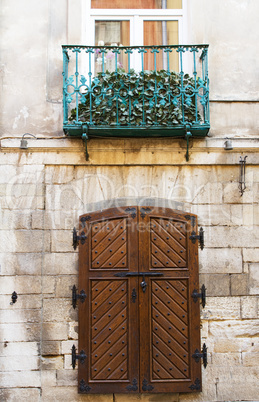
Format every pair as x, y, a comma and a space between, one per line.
145, 91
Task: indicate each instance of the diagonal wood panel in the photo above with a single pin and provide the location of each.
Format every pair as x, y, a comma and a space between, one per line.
109, 325
169, 330
168, 244
109, 244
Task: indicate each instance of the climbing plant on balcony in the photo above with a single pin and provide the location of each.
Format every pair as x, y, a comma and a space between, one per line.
152, 98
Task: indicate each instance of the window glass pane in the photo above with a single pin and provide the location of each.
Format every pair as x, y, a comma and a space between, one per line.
111, 33
155, 4
158, 33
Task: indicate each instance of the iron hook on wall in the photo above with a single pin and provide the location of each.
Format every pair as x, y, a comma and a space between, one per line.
242, 177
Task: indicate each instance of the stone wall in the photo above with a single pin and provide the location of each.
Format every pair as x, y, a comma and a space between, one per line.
42, 195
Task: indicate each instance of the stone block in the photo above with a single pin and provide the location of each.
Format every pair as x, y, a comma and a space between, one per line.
48, 378
239, 284
59, 220
7, 174
50, 348
60, 264
234, 345
204, 329
25, 302
57, 309
253, 279
220, 260
20, 332
209, 193
73, 330
226, 359
26, 284
67, 362
68, 394
20, 394
48, 286
216, 284
59, 174
20, 379
65, 377
65, 197
64, 285
221, 308
165, 397
54, 331
61, 240
15, 220
249, 307
231, 194
230, 329
224, 236
19, 349
66, 346
230, 388
19, 316
212, 214
250, 359
52, 362
19, 363
236, 214
24, 196
29, 241
20, 264
251, 254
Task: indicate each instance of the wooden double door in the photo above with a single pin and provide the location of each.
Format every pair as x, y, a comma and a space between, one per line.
139, 324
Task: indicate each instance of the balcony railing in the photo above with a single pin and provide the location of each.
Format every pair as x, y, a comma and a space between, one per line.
143, 91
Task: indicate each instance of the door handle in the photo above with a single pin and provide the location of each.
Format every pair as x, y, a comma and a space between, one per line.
143, 284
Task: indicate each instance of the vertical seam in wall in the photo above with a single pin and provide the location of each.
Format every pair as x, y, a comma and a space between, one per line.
42, 265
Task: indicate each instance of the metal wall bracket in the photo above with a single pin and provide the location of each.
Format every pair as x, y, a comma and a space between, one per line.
75, 296
201, 355
14, 297
81, 357
242, 177
202, 295
77, 238
188, 135
199, 237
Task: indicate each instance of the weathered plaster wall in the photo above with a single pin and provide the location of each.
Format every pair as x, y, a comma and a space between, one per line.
31, 62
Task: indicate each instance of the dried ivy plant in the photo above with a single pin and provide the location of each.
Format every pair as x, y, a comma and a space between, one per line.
139, 99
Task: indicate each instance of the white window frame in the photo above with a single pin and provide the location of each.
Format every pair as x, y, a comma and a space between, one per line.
136, 18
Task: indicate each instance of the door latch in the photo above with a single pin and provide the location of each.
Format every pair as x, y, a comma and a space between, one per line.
81, 357
143, 284
75, 296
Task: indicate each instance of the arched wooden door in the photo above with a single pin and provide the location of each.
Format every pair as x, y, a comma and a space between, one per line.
139, 325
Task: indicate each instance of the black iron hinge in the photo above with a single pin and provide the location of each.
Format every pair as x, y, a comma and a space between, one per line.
77, 238
81, 357
201, 355
202, 295
199, 237
75, 296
